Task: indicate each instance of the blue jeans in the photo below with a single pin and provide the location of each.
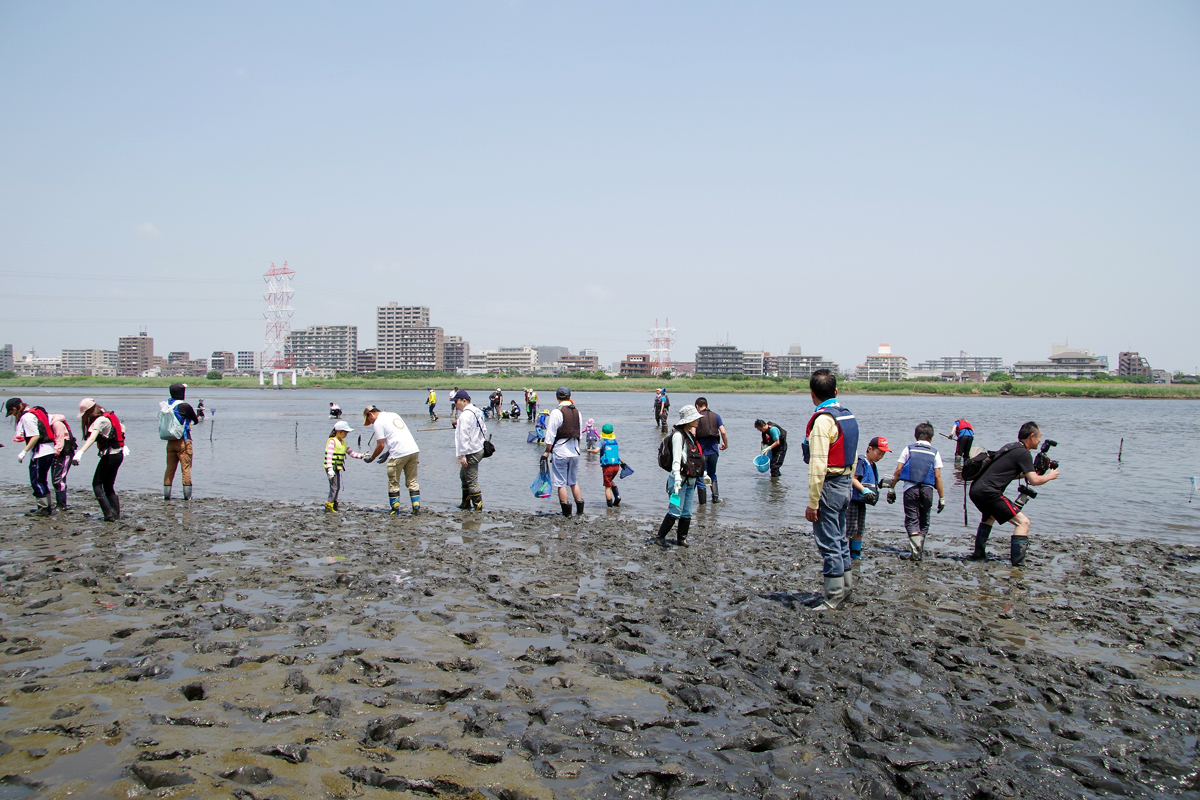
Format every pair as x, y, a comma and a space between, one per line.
686, 492
830, 527
710, 465
39, 469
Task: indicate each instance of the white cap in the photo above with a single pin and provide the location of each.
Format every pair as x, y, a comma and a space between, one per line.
342, 425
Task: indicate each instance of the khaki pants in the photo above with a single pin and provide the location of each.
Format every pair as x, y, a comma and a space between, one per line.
179, 453
406, 464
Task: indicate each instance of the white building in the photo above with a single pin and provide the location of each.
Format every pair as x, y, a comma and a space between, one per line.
249, 360
752, 362
883, 366
522, 360
1064, 362
794, 364
79, 362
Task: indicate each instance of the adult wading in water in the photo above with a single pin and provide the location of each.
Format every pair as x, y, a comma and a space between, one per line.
33, 428
104, 430
179, 451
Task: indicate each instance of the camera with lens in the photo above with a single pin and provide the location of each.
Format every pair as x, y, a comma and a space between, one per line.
1042, 463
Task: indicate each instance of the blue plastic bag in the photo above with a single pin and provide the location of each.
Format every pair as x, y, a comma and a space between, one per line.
541, 484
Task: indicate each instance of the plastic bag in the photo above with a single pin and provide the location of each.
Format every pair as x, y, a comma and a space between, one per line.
541, 484
626, 470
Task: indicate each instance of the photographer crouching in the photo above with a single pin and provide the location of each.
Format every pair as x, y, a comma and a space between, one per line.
1013, 461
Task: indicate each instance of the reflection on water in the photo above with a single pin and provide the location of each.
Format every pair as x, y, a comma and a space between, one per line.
268, 445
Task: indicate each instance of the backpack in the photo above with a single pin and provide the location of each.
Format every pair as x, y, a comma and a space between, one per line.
974, 467
169, 426
693, 465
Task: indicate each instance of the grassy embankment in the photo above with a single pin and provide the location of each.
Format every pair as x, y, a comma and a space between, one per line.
682, 387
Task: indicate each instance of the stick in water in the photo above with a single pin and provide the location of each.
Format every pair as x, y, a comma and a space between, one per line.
1120, 449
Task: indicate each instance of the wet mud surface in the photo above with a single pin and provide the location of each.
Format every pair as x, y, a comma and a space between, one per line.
226, 649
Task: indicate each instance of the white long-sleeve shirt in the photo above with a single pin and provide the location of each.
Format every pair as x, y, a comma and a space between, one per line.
469, 432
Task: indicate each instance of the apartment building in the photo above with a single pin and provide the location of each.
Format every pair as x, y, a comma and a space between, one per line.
135, 354
794, 364
522, 360
1064, 362
454, 353
332, 347
405, 341
883, 366
718, 359
82, 362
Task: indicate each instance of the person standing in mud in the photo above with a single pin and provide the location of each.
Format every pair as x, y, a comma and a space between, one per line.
713, 439
104, 430
1012, 461
919, 466
179, 451
563, 428
402, 456
469, 434
64, 448
865, 490
34, 429
774, 441
687, 465
831, 441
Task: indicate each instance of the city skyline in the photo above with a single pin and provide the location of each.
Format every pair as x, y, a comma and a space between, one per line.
573, 173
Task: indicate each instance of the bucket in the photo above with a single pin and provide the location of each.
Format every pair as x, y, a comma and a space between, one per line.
763, 462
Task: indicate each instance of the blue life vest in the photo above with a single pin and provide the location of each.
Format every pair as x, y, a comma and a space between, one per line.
921, 463
870, 474
610, 452
841, 451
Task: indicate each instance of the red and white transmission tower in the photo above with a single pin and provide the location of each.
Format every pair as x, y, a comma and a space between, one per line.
659, 350
278, 315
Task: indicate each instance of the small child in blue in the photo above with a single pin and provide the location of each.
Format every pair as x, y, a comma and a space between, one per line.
864, 491
920, 466
539, 427
610, 464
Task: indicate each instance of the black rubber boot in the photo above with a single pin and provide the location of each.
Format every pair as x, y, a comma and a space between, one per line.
1017, 547
981, 539
60, 500
579, 508
716, 497
566, 509
663, 529
616, 496
685, 525
114, 503
102, 499
465, 505
701, 494
608, 502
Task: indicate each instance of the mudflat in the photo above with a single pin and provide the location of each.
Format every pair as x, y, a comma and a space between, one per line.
252, 650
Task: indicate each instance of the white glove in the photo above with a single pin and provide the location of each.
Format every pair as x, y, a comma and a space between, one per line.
330, 473
21, 456
125, 451
76, 459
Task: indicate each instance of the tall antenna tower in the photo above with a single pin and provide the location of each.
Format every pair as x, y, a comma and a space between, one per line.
661, 339
278, 315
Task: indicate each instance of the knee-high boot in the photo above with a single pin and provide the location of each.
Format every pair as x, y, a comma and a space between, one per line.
114, 503
663, 529
102, 499
685, 525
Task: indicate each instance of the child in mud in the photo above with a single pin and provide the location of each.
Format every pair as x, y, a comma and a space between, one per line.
920, 466
865, 489
336, 451
610, 463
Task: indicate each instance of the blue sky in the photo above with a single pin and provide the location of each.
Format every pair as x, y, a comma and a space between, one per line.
939, 176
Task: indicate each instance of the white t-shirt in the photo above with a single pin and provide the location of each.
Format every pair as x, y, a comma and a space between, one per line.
937, 463
27, 426
390, 428
563, 448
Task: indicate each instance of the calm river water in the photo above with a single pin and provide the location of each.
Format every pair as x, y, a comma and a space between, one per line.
268, 444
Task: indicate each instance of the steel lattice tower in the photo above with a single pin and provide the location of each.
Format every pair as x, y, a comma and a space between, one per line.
661, 339
278, 315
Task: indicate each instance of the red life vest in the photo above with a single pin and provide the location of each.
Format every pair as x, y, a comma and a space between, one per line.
45, 432
963, 425
116, 439
842, 451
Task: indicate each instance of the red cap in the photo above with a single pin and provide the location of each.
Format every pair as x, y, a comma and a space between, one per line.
881, 443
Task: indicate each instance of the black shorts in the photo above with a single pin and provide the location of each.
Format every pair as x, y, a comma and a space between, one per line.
963, 449
997, 506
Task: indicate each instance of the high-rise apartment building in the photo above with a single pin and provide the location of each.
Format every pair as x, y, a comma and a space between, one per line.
366, 362
78, 362
883, 366
249, 360
794, 364
718, 359
454, 353
135, 354
405, 341
1132, 364
6, 357
324, 347
752, 362
548, 354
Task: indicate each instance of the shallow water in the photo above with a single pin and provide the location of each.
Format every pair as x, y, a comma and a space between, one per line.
268, 445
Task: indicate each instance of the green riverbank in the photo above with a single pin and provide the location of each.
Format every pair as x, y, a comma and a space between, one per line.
678, 387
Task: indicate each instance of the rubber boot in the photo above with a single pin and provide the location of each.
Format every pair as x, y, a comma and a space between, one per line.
43, 509
716, 497
579, 508
701, 495
166, 491
329, 509
336, 507
616, 496
187, 491
855, 550
685, 526
848, 584
566, 509
663, 529
102, 499
835, 591
414, 499
393, 505
60, 500
114, 503
981, 539
914, 547
1017, 547
920, 547
608, 502
477, 501
465, 505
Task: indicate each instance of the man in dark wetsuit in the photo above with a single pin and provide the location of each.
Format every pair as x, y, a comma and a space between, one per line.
1012, 461
179, 451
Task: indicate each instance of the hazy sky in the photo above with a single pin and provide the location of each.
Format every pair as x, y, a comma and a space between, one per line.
941, 176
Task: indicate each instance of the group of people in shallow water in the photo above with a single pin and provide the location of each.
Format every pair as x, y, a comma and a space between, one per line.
842, 482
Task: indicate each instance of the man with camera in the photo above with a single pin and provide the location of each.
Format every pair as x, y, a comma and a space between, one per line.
1011, 462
